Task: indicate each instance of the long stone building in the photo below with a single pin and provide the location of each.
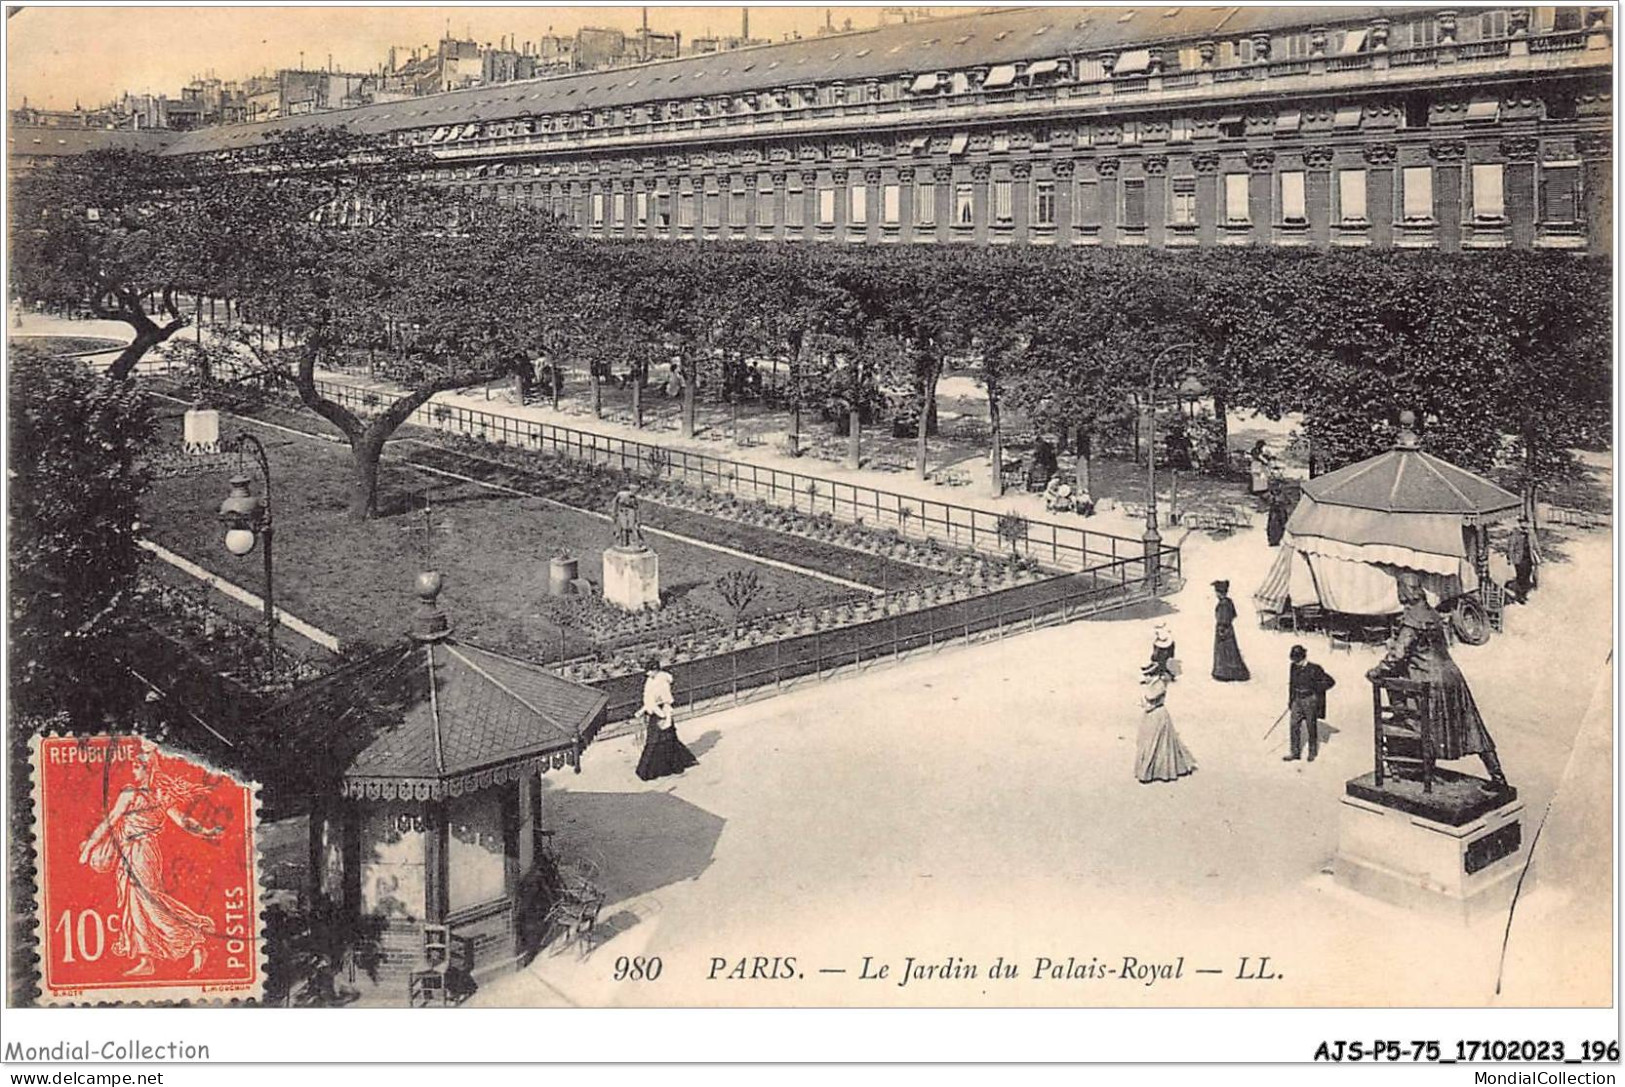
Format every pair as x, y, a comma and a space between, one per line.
1167, 127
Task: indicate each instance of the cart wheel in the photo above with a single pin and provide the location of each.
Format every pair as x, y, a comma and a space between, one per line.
1471, 621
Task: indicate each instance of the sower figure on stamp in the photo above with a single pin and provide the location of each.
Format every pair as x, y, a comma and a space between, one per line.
625, 511
1306, 701
1419, 653
152, 924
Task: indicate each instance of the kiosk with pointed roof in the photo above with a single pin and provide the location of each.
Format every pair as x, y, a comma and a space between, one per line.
1404, 509
422, 763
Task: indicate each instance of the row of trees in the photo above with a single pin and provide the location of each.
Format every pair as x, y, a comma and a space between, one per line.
326, 237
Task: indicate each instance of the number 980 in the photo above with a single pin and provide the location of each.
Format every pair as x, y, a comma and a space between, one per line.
637, 968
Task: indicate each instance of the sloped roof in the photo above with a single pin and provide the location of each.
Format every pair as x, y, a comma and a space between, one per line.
426, 719
1403, 507
44, 140
986, 38
1406, 480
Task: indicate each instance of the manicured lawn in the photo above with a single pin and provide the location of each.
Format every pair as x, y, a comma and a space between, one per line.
355, 579
68, 345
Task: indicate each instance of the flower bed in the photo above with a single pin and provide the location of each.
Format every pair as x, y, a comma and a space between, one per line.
591, 486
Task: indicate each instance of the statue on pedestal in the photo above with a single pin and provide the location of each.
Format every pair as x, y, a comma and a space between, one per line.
1419, 653
628, 535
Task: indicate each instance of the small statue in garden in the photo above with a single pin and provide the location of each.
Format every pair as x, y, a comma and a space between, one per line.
628, 535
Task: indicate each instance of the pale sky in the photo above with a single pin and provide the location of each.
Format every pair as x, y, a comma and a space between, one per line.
56, 56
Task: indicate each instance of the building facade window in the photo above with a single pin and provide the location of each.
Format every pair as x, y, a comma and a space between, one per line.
1488, 200
964, 205
1131, 133
891, 204
685, 211
640, 208
764, 202
712, 209
736, 207
1044, 203
1087, 212
1417, 182
858, 204
1003, 206
618, 209
925, 204
1292, 204
663, 209
597, 209
1180, 130
1351, 196
1182, 201
795, 205
1235, 198
1134, 203
1559, 194
826, 206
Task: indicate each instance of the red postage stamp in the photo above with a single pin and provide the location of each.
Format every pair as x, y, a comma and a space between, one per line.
147, 875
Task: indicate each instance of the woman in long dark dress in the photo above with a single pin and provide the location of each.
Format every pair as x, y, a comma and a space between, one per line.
1158, 753
1276, 526
1228, 667
663, 752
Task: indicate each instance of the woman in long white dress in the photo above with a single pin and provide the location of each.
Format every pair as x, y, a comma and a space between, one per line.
1159, 755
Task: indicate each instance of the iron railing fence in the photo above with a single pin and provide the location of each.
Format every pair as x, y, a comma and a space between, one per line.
1062, 546
750, 671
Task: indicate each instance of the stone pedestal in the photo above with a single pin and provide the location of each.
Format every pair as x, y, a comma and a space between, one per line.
201, 429
561, 576
1457, 851
632, 578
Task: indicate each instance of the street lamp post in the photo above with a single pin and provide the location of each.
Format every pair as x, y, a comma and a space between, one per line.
247, 519
1152, 538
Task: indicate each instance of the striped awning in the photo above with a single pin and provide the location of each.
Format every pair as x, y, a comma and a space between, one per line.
928, 81
1275, 592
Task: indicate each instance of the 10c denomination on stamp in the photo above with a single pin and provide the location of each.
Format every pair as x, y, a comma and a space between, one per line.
147, 874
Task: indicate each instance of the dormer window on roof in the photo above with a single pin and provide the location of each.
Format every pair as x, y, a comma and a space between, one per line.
1000, 75
1133, 62
925, 83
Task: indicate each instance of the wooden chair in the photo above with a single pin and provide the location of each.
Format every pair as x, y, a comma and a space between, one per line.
574, 919
1402, 731
427, 984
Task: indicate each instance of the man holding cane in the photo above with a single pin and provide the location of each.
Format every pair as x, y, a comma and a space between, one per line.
1306, 702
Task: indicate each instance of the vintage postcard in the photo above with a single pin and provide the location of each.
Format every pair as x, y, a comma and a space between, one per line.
786, 507
147, 875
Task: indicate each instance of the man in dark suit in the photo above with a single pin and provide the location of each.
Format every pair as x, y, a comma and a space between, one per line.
1306, 700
